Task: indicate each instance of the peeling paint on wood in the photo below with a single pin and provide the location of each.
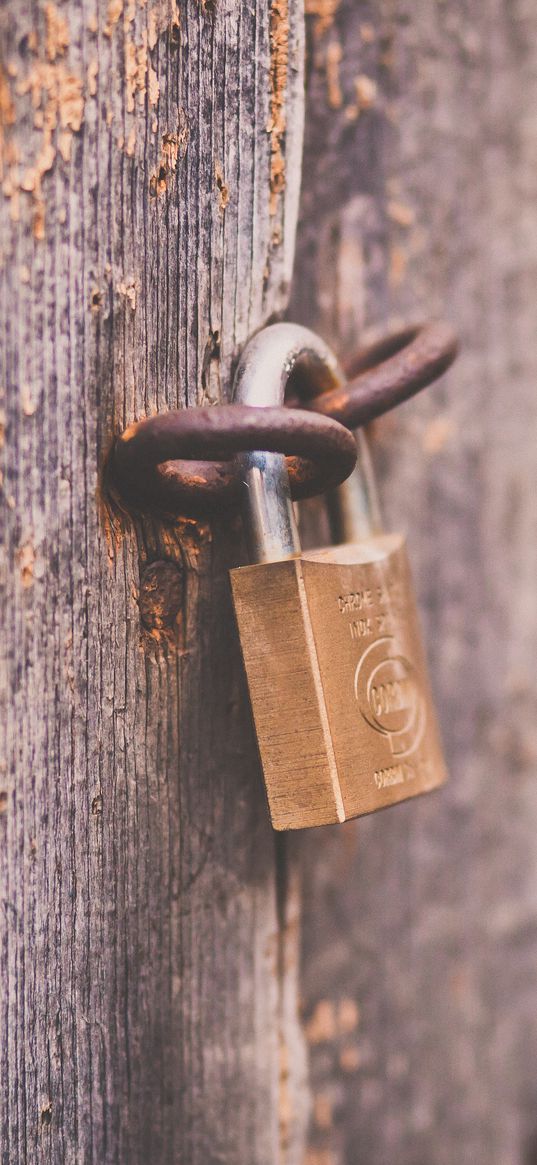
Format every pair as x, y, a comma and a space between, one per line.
279, 64
148, 952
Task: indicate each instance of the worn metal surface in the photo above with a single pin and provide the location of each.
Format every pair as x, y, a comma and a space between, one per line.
212, 433
338, 682
419, 966
382, 376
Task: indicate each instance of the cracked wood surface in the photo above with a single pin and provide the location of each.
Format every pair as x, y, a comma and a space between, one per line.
150, 175
148, 953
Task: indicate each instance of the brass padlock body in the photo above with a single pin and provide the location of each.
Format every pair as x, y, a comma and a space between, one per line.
338, 681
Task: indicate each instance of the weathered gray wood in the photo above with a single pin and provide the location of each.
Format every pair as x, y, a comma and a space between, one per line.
419, 978
149, 924
151, 157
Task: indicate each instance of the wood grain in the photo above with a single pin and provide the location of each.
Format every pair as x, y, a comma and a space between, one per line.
149, 926
420, 197
151, 164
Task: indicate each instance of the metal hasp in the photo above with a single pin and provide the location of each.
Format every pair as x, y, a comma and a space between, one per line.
182, 462
330, 638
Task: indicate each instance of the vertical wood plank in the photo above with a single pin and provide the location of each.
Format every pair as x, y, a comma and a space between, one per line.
420, 197
151, 165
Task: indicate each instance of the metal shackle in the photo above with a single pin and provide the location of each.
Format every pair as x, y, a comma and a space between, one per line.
265, 367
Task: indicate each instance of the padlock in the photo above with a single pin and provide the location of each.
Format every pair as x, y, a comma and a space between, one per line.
330, 639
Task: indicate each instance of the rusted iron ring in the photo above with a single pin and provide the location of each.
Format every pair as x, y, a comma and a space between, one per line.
384, 374
146, 471
147, 465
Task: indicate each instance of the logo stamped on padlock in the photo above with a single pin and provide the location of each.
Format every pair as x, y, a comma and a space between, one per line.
387, 689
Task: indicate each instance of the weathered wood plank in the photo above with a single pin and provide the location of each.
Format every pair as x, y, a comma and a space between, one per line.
420, 947
149, 992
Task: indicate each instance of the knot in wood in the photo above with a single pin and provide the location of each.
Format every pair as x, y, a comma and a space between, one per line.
161, 594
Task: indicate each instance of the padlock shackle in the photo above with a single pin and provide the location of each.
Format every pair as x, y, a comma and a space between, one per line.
261, 378
353, 507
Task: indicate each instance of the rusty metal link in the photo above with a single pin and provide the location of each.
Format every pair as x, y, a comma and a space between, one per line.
148, 463
384, 374
181, 462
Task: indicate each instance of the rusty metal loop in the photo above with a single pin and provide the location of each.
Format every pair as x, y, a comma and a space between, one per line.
384, 374
145, 471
